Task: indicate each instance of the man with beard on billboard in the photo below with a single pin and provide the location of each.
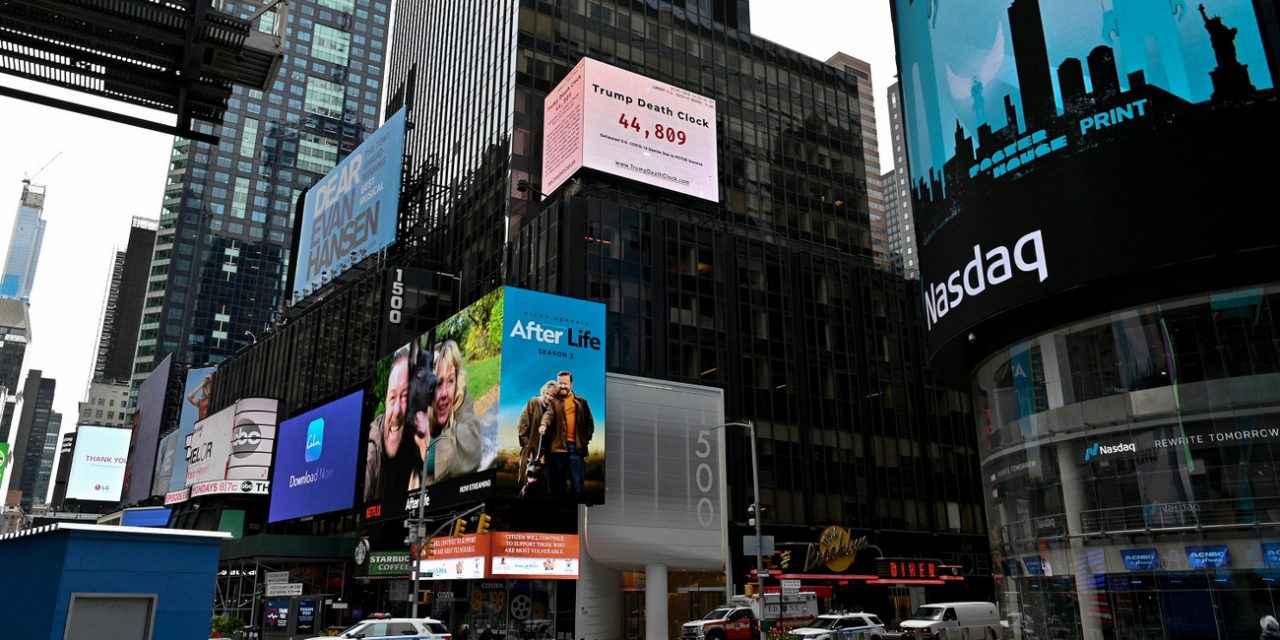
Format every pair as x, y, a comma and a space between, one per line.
388, 464
573, 427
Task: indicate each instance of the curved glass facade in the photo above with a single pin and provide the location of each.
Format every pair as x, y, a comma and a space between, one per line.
1130, 462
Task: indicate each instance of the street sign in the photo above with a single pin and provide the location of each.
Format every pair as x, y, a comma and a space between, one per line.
285, 589
277, 577
790, 587
749, 545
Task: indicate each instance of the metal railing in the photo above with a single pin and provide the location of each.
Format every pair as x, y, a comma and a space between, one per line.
1176, 515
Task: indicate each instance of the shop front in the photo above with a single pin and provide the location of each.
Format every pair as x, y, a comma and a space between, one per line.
516, 584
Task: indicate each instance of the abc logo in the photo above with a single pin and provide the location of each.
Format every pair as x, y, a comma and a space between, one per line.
245, 439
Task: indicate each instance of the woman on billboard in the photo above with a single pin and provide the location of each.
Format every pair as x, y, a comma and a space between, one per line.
449, 414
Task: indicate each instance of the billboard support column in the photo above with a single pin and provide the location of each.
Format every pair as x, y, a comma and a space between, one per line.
757, 514
655, 601
418, 522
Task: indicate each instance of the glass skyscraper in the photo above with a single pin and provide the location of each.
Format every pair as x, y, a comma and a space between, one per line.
222, 254
24, 244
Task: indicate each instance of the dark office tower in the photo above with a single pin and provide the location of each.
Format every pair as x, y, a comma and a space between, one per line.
1075, 97
222, 250
1030, 53
34, 416
6, 417
1103, 74
15, 335
767, 288
48, 456
122, 309
64, 471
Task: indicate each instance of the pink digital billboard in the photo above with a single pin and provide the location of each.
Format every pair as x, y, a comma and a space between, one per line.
612, 120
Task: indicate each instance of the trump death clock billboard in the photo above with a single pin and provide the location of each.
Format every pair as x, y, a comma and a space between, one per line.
612, 120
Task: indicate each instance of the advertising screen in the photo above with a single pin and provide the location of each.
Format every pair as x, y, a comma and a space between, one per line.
317, 452
209, 447
470, 403
147, 415
1036, 129
98, 464
253, 437
1271, 554
165, 454
460, 558
1208, 557
541, 556
612, 120
230, 451
4, 460
195, 407
1140, 559
149, 517
352, 210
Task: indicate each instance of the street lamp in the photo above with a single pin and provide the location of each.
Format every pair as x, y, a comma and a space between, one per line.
422, 504
759, 514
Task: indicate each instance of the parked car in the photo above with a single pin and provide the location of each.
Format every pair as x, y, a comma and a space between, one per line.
375, 628
725, 623
842, 626
954, 621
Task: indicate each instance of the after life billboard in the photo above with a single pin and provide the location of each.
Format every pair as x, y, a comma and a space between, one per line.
353, 208
506, 396
316, 457
1055, 145
98, 463
622, 123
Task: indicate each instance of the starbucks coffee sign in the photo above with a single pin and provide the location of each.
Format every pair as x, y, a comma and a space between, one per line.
389, 563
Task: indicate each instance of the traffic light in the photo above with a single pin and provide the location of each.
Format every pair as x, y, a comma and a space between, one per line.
460, 527
483, 527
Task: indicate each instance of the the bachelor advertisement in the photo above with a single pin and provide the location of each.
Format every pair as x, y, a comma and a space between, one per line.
195, 407
1031, 125
506, 396
610, 119
353, 209
230, 451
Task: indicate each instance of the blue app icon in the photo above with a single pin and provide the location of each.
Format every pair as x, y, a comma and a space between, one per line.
315, 439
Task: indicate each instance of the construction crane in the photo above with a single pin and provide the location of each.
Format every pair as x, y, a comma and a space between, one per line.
41, 169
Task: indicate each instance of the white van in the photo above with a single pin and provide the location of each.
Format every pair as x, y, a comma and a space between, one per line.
954, 621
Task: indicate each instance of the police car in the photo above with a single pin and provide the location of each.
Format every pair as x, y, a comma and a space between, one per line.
842, 626
380, 628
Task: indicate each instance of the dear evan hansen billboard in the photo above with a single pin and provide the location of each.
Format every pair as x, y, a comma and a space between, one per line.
353, 208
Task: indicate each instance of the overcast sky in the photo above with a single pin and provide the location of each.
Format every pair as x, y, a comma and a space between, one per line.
107, 173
